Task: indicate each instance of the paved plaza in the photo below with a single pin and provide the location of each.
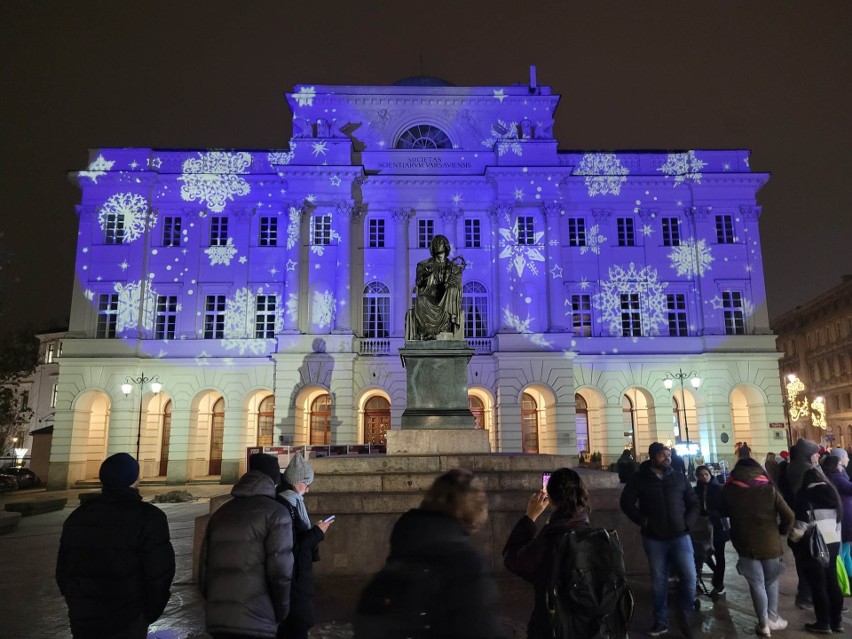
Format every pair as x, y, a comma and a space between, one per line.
32, 608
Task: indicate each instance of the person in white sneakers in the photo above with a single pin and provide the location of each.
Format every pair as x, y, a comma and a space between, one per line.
754, 505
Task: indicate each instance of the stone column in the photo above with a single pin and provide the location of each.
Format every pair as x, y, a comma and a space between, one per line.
234, 441
180, 456
402, 284
554, 275
346, 214
499, 282
292, 269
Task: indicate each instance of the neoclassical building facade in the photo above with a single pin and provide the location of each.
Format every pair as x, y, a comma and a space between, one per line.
267, 290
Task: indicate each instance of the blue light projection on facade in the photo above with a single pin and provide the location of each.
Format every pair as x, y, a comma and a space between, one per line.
225, 258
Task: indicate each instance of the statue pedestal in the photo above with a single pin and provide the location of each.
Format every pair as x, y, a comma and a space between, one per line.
442, 441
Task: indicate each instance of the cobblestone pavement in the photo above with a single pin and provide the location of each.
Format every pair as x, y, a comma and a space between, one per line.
32, 608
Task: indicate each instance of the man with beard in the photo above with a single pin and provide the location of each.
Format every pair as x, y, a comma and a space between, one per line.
662, 502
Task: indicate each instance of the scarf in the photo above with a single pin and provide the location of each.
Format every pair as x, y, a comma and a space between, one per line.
298, 502
759, 480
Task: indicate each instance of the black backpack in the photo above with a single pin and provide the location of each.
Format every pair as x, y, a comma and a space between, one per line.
588, 596
401, 600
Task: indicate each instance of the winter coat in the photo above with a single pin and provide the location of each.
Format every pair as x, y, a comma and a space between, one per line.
115, 564
710, 503
247, 561
823, 500
755, 507
530, 556
626, 468
840, 480
665, 507
305, 552
469, 592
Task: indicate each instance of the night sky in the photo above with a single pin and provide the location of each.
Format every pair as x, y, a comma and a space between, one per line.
773, 77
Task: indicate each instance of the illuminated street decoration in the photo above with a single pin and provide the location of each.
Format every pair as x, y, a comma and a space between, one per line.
797, 408
818, 413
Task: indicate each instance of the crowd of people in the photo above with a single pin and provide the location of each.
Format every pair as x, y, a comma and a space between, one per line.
116, 562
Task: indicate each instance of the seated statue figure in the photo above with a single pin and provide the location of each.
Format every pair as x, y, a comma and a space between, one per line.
437, 307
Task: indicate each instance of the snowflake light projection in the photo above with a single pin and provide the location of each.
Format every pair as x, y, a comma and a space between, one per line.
213, 178
324, 306
293, 306
222, 254
604, 173
237, 324
293, 225
96, 169
282, 157
305, 96
691, 258
683, 167
594, 240
523, 326
520, 256
133, 211
129, 301
651, 293
505, 136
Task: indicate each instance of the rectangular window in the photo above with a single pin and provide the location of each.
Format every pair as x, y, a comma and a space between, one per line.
472, 233
264, 318
171, 231
671, 231
214, 317
576, 231
475, 306
581, 314
631, 317
218, 230
25, 400
732, 306
107, 315
626, 231
847, 400
50, 355
268, 232
322, 230
676, 304
166, 319
377, 233
53, 394
725, 229
376, 313
425, 233
525, 229
114, 228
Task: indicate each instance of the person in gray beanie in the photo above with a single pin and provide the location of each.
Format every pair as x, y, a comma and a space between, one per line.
116, 562
297, 479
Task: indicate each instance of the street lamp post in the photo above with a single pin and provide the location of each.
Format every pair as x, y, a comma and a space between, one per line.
695, 381
127, 388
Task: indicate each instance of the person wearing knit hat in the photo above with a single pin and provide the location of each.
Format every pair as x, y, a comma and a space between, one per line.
140, 563
297, 478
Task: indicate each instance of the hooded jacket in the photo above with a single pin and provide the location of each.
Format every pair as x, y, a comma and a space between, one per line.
665, 507
247, 561
115, 564
841, 483
821, 501
800, 462
755, 506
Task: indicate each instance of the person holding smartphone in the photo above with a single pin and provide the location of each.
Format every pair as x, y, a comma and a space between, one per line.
296, 481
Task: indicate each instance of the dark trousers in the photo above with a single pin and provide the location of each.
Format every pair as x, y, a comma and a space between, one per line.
136, 630
293, 627
825, 591
803, 590
716, 561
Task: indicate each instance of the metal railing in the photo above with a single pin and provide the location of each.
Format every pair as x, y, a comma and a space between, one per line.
374, 346
481, 345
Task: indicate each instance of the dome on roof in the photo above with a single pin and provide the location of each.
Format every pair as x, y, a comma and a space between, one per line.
423, 81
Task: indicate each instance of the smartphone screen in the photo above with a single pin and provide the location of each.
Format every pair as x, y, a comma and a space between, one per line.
328, 519
545, 477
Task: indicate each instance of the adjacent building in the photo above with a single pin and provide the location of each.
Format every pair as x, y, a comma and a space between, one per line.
816, 342
266, 291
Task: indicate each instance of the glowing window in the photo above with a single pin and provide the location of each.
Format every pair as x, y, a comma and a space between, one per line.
376, 309
321, 421
425, 232
268, 231
171, 231
377, 420
671, 231
475, 306
264, 316
214, 317
377, 233
218, 230
581, 314
676, 308
51, 354
107, 315
525, 229
576, 231
582, 423
54, 393
477, 407
166, 317
732, 307
725, 229
472, 233
265, 421
631, 316
424, 136
529, 423
322, 230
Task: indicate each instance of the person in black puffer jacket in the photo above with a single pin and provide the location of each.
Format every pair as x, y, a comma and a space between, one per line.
662, 502
709, 494
116, 562
246, 560
530, 555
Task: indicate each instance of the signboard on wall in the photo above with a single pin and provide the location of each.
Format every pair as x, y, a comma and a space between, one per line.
777, 425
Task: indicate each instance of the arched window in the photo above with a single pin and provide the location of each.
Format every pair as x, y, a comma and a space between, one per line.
477, 407
377, 419
676, 420
265, 421
217, 435
529, 423
164, 440
582, 410
475, 306
321, 420
376, 310
629, 409
424, 136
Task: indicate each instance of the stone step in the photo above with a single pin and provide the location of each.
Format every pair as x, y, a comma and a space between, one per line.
37, 506
494, 462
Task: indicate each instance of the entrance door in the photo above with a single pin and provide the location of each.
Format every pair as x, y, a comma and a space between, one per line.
377, 419
164, 445
477, 407
217, 435
529, 423
265, 421
321, 421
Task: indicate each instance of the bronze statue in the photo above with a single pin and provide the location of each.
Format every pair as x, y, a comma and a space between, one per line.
437, 307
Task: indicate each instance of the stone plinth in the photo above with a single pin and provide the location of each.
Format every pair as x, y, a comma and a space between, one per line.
437, 441
436, 385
